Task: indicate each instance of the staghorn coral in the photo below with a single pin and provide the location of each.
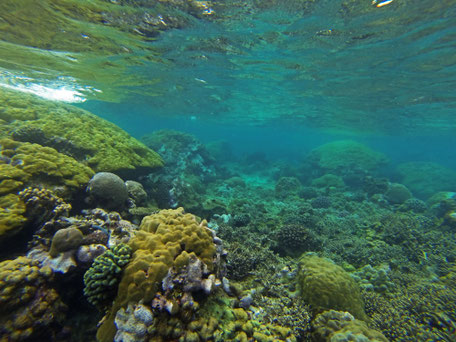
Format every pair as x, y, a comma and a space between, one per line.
417, 310
102, 277
295, 239
28, 308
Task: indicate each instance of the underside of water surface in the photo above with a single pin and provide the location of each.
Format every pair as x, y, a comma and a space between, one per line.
346, 65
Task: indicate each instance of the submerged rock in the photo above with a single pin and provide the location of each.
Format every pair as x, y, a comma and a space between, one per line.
108, 191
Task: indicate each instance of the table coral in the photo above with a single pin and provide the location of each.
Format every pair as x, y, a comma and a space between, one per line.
27, 304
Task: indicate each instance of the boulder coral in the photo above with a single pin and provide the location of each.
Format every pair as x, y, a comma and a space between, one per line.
326, 286
166, 240
337, 156
425, 179
27, 305
334, 325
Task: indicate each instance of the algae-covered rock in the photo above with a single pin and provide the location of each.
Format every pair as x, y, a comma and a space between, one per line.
89, 139
326, 286
337, 156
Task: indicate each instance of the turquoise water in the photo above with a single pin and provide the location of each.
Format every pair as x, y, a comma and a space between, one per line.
185, 170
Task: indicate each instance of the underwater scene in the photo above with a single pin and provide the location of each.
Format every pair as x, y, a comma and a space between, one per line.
227, 170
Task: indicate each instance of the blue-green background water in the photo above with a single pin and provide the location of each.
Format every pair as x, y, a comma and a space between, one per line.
284, 81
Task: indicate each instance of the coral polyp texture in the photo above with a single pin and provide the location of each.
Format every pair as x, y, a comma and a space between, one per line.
103, 275
326, 286
33, 164
27, 305
166, 240
99, 144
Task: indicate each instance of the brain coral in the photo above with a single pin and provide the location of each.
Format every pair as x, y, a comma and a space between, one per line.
325, 286
165, 240
75, 132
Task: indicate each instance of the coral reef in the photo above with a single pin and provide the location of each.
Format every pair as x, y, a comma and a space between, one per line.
417, 310
324, 285
35, 165
295, 239
168, 239
374, 278
28, 306
425, 179
342, 326
12, 216
287, 186
340, 156
102, 277
79, 134
397, 193
64, 240
43, 205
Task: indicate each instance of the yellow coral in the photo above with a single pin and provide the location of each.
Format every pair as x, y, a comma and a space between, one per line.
33, 163
325, 285
166, 239
11, 215
26, 305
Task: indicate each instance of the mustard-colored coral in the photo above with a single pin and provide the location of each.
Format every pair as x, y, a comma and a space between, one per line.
217, 321
26, 304
38, 165
12, 209
165, 240
325, 286
88, 138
